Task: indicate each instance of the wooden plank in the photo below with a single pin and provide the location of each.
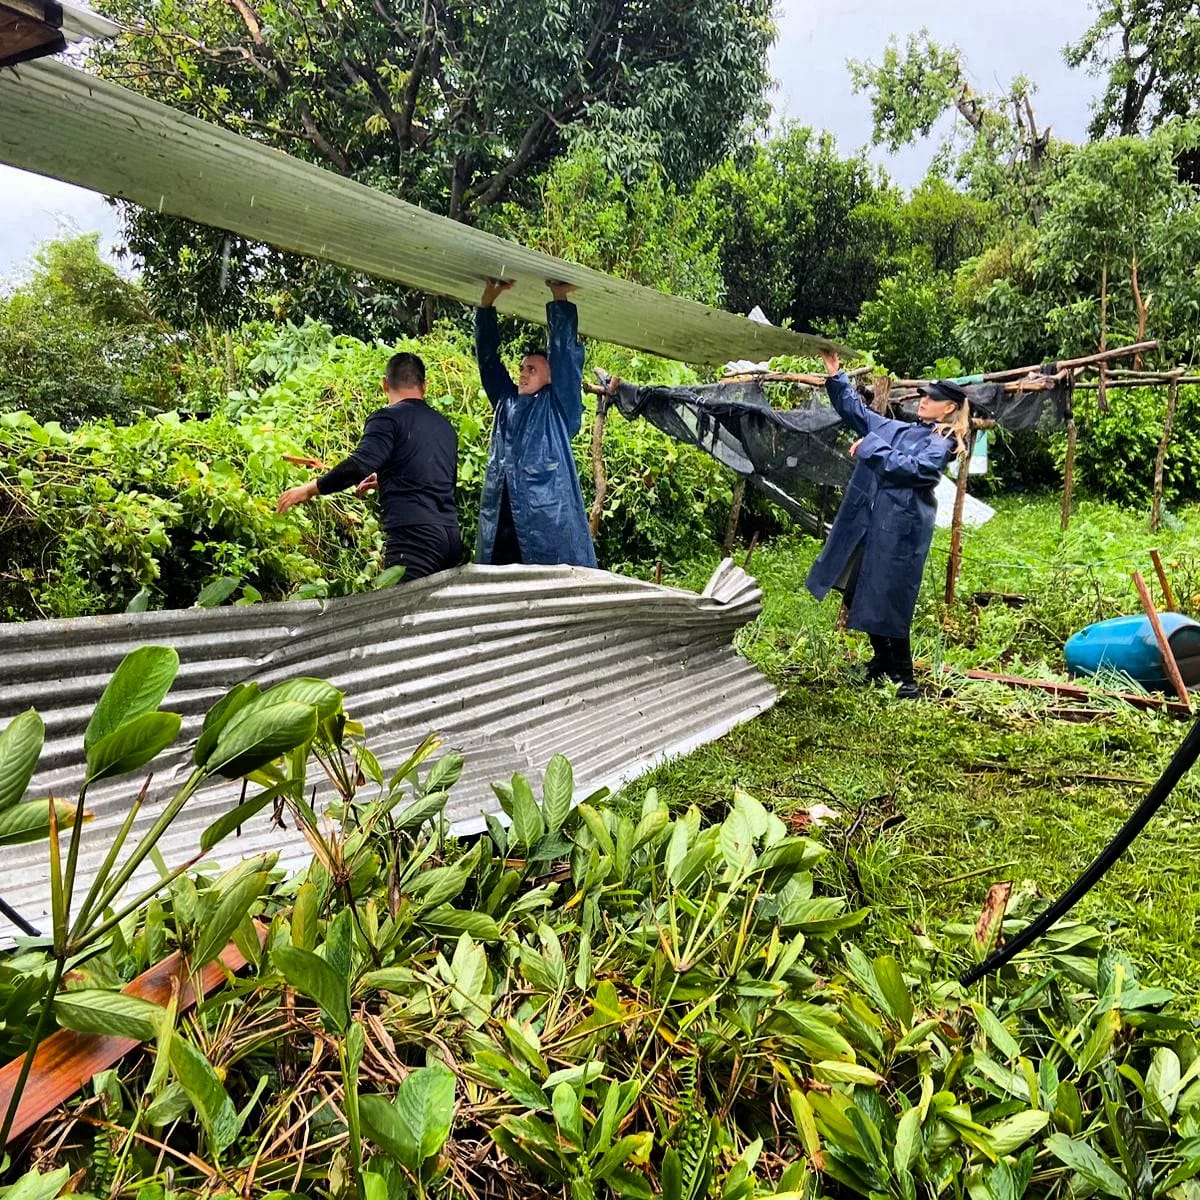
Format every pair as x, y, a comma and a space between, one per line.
72, 126
1164, 646
66, 1061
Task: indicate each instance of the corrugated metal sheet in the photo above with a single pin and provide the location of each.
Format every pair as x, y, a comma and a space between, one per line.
60, 122
510, 664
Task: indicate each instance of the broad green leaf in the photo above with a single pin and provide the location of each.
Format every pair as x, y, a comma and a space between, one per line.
35, 1186
386, 578
20, 747
425, 1105
233, 907
30, 822
1016, 1130
1162, 1080
313, 977
444, 773
895, 990
138, 687
1003, 1041
109, 1014
1100, 1043
304, 916
382, 1124
908, 1139
133, 745
324, 697
216, 591
558, 791
258, 734
207, 1093
568, 1116
440, 884
508, 1078
1081, 1158
527, 823
445, 919
736, 843
844, 1072
140, 601
219, 716
677, 848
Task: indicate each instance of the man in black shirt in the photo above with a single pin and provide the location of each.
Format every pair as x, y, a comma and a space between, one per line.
410, 453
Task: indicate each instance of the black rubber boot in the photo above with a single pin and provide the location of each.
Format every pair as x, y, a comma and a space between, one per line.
880, 666
900, 670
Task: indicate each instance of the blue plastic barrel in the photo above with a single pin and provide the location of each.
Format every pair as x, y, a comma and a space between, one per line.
1127, 644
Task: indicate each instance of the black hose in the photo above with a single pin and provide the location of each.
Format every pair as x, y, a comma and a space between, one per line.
1181, 762
18, 920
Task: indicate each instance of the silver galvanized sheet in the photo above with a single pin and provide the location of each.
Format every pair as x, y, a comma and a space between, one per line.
510, 665
63, 123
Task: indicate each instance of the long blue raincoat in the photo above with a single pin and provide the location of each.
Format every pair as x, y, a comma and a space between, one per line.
887, 510
530, 451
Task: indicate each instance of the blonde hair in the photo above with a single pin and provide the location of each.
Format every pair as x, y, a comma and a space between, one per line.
956, 428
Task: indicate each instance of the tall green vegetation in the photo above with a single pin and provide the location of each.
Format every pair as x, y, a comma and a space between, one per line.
80, 342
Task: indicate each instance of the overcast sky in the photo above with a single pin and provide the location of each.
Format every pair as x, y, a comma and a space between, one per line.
999, 40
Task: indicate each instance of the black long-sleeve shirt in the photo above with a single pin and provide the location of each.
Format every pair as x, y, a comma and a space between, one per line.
414, 451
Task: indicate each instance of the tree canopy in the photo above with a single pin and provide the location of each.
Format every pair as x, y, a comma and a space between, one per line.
452, 105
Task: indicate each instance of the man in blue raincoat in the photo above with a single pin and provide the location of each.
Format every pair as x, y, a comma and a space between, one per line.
876, 550
531, 510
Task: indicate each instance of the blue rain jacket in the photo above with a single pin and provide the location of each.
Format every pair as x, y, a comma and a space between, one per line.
887, 510
530, 449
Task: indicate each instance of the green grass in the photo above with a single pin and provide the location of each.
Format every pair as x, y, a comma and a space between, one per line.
942, 797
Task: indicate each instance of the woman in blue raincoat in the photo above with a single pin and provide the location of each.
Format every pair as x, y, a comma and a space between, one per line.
876, 550
531, 510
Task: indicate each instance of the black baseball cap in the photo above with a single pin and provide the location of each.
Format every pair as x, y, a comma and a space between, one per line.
944, 389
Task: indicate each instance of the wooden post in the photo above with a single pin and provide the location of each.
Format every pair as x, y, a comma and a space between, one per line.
599, 479
735, 511
960, 496
1164, 647
750, 552
1102, 375
1164, 582
1161, 457
1068, 472
883, 389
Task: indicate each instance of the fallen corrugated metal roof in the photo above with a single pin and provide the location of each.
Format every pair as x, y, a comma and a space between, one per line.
72, 126
511, 665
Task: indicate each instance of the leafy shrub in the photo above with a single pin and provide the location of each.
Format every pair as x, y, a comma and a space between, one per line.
611, 1001
1116, 449
77, 342
169, 503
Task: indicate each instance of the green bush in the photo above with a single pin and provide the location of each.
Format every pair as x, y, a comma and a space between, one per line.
99, 516
77, 342
1116, 449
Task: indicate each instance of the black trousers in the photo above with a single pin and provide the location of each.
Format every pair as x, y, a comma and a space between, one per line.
506, 549
423, 550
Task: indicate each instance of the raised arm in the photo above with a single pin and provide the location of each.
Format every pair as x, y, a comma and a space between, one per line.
914, 469
566, 357
497, 382
847, 402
